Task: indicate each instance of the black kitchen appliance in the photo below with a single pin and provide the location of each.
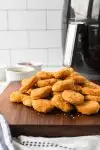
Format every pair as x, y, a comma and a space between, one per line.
83, 43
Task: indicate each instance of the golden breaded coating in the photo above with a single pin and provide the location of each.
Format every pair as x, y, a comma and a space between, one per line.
46, 82
73, 74
91, 85
72, 97
25, 81
29, 91
63, 73
90, 91
27, 101
55, 93
78, 79
16, 97
59, 103
42, 92
29, 84
88, 107
44, 75
60, 86
42, 105
92, 98
77, 88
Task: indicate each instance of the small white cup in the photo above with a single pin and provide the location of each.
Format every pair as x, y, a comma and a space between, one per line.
19, 73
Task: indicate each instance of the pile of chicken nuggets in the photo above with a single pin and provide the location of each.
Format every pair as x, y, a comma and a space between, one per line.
65, 90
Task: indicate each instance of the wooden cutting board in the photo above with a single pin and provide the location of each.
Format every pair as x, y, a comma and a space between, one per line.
24, 120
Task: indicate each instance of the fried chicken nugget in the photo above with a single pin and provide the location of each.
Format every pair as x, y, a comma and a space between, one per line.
42, 92
72, 97
29, 91
27, 101
29, 84
46, 82
77, 88
42, 105
59, 103
92, 98
16, 97
78, 79
44, 75
73, 74
55, 93
91, 85
25, 81
21, 98
60, 86
88, 107
63, 73
90, 91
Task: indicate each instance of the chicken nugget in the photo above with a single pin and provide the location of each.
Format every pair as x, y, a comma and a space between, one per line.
72, 97
44, 75
88, 107
92, 98
73, 74
91, 85
29, 84
42, 105
27, 101
29, 91
77, 88
25, 81
90, 91
55, 93
46, 82
60, 86
79, 79
16, 97
63, 73
42, 92
59, 103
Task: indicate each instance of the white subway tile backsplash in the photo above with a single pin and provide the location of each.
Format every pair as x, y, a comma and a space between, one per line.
13, 39
31, 30
45, 4
3, 20
35, 55
55, 4
4, 57
55, 57
36, 4
54, 19
45, 39
12, 4
27, 20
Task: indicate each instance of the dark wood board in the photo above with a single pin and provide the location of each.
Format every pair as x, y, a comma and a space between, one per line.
24, 120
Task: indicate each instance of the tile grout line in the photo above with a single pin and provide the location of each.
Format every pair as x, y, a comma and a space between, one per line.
46, 20
30, 9
21, 30
33, 48
7, 21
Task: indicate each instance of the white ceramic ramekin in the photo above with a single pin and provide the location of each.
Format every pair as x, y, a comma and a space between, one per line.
19, 73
